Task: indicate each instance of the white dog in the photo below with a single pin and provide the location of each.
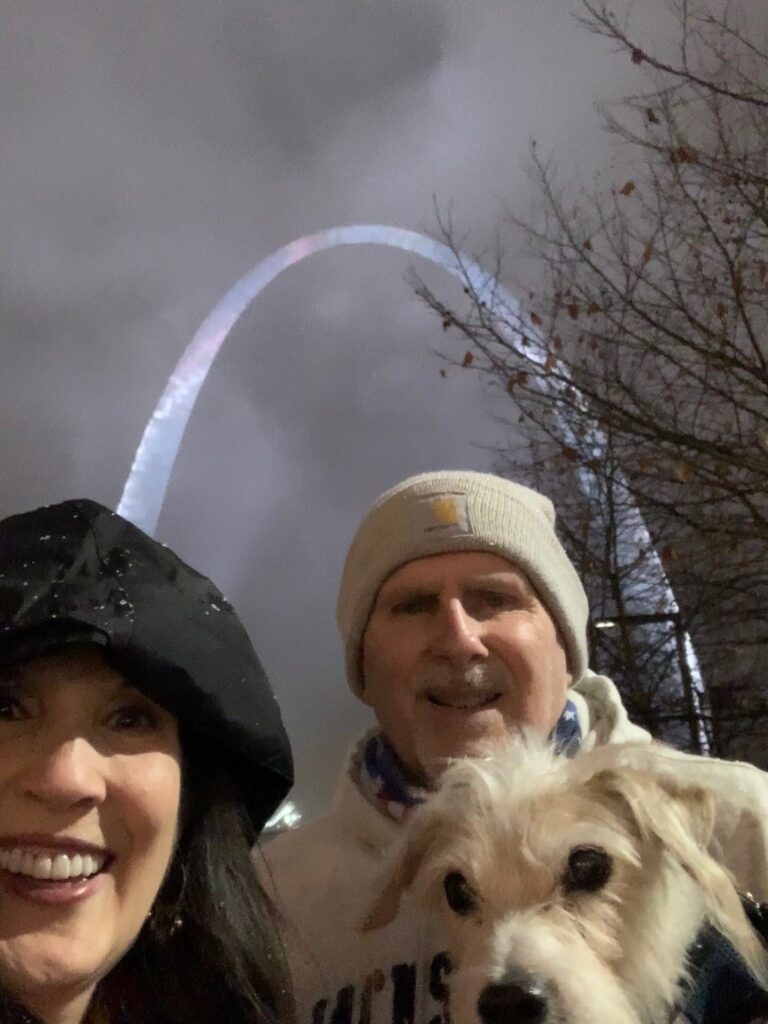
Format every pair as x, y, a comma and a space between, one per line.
571, 889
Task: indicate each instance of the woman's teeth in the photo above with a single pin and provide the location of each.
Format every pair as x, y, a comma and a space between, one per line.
56, 868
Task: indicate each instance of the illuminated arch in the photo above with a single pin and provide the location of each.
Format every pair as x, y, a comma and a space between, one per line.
147, 483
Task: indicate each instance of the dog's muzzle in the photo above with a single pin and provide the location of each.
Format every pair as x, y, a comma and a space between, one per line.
517, 998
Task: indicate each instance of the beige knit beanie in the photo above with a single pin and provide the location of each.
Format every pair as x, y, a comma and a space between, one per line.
460, 511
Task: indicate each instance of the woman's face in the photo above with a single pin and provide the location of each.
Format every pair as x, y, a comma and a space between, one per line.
90, 784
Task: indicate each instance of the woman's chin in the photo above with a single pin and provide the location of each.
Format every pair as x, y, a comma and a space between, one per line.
46, 962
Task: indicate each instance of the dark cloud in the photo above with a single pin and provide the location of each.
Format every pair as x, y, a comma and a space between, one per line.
152, 153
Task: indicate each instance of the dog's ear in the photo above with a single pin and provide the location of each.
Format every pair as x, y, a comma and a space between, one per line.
682, 817
680, 814
423, 835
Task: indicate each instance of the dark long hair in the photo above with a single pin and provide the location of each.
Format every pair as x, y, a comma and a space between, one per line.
210, 951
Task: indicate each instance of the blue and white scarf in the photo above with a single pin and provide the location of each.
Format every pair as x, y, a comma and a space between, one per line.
384, 781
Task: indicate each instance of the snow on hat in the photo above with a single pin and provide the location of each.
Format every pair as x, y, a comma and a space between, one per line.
455, 510
77, 572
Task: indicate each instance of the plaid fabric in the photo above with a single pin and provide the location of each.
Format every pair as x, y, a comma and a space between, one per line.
724, 992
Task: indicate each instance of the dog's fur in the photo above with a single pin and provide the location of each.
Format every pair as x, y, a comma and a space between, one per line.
508, 826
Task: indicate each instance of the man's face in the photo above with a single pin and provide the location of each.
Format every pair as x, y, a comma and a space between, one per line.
458, 654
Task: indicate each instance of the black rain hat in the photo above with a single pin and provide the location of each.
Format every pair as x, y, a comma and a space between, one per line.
77, 572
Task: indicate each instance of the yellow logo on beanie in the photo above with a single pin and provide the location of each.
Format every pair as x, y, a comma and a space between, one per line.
445, 511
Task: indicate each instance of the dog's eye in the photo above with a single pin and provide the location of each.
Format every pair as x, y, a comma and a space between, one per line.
459, 894
589, 868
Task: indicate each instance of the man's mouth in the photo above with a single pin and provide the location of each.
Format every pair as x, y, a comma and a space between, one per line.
464, 701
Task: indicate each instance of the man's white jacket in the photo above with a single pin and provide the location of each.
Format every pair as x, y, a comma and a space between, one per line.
324, 877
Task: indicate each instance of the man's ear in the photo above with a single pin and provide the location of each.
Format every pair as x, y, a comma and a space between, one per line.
362, 692
564, 648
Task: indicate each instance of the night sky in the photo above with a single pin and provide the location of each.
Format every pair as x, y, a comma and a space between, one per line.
151, 153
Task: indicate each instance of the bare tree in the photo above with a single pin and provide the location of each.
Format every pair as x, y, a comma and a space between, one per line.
649, 325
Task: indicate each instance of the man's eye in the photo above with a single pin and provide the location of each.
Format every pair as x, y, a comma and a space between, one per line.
412, 606
491, 601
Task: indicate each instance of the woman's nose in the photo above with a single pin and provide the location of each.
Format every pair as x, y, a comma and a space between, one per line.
66, 775
458, 635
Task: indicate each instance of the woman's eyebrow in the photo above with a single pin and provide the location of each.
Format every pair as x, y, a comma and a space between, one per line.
120, 687
10, 675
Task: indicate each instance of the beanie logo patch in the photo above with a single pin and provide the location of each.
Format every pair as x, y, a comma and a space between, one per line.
448, 511
445, 511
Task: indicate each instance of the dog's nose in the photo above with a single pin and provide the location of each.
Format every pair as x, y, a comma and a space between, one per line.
514, 1000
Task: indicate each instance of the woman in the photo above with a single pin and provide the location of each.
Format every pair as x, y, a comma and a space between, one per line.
141, 752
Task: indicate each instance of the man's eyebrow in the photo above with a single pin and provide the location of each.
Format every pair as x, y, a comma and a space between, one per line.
403, 591
506, 580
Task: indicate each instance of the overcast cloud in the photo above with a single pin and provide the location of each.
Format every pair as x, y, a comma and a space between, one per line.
151, 153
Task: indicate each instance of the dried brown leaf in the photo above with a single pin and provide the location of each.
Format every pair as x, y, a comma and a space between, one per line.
668, 554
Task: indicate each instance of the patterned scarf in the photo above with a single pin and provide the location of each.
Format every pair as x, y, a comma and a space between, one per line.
383, 778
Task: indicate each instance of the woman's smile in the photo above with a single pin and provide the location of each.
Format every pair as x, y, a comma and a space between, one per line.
55, 870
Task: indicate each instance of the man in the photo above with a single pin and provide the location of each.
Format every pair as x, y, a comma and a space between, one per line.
463, 621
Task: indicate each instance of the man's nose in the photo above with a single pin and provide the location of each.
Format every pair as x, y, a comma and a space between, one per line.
66, 775
458, 635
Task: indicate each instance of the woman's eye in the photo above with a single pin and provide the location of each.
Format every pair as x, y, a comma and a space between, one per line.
133, 718
11, 708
